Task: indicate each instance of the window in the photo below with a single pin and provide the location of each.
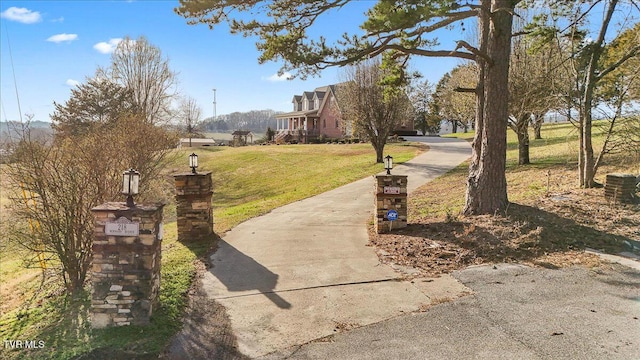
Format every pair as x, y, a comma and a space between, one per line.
324, 123
337, 124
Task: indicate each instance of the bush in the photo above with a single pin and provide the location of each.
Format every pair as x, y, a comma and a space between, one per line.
64, 179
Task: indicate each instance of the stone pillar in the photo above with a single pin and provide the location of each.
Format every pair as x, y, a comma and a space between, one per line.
391, 200
620, 188
193, 206
126, 263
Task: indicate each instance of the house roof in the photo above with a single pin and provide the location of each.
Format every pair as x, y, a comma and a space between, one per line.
306, 113
320, 93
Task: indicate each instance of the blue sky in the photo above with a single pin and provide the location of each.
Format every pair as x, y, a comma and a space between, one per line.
55, 44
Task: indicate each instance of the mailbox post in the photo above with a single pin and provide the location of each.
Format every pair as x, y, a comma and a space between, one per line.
390, 202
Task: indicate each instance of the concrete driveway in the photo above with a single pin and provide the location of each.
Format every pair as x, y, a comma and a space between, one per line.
304, 271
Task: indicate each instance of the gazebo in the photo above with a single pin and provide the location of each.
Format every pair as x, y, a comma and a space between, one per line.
242, 137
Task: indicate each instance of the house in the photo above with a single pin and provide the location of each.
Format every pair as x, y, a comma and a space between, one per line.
195, 142
241, 137
316, 113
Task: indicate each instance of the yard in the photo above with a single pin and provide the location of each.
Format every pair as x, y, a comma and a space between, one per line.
248, 182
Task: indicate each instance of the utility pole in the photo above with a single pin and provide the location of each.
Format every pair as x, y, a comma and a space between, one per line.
214, 104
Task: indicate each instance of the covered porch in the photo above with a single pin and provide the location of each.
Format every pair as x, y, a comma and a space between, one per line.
298, 128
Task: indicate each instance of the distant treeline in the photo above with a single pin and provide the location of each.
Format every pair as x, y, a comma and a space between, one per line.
11, 130
256, 121
13, 125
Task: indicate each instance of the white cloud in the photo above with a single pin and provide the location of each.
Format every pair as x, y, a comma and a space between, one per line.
58, 38
72, 83
22, 15
275, 77
107, 47
60, 19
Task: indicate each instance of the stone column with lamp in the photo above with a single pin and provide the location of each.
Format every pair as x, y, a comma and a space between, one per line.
125, 272
390, 200
194, 191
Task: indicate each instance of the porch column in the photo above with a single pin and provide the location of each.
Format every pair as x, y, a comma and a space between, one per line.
305, 124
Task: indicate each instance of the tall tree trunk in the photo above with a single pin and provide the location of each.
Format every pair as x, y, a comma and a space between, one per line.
487, 184
523, 139
472, 199
588, 160
454, 126
523, 148
580, 152
537, 125
591, 80
379, 146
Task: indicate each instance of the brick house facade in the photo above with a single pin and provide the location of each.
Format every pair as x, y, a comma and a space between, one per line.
316, 113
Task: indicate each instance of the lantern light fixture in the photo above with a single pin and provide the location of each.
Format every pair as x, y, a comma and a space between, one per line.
130, 182
193, 162
388, 164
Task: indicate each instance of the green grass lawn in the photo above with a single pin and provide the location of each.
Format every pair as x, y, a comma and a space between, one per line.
251, 181
554, 162
248, 181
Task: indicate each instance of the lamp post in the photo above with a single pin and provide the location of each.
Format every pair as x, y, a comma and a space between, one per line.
193, 162
388, 164
130, 182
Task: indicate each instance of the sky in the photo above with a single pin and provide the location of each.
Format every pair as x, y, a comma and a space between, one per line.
50, 46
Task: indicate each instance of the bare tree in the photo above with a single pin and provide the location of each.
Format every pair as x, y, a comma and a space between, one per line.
189, 113
532, 88
140, 67
455, 105
426, 110
370, 108
63, 179
619, 91
587, 52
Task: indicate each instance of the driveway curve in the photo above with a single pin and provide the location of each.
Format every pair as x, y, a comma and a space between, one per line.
304, 271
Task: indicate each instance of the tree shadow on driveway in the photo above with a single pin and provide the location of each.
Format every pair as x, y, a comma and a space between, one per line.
241, 273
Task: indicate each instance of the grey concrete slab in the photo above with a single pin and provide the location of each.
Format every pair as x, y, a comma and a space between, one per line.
290, 276
516, 312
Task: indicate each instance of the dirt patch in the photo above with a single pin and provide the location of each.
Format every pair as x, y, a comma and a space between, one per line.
550, 231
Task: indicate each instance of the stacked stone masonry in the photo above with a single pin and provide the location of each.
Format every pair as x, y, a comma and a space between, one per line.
126, 269
391, 194
620, 188
193, 206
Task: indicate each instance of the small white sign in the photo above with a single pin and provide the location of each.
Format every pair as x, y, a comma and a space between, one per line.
391, 190
122, 227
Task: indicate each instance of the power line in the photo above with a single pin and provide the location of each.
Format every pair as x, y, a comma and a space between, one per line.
13, 70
